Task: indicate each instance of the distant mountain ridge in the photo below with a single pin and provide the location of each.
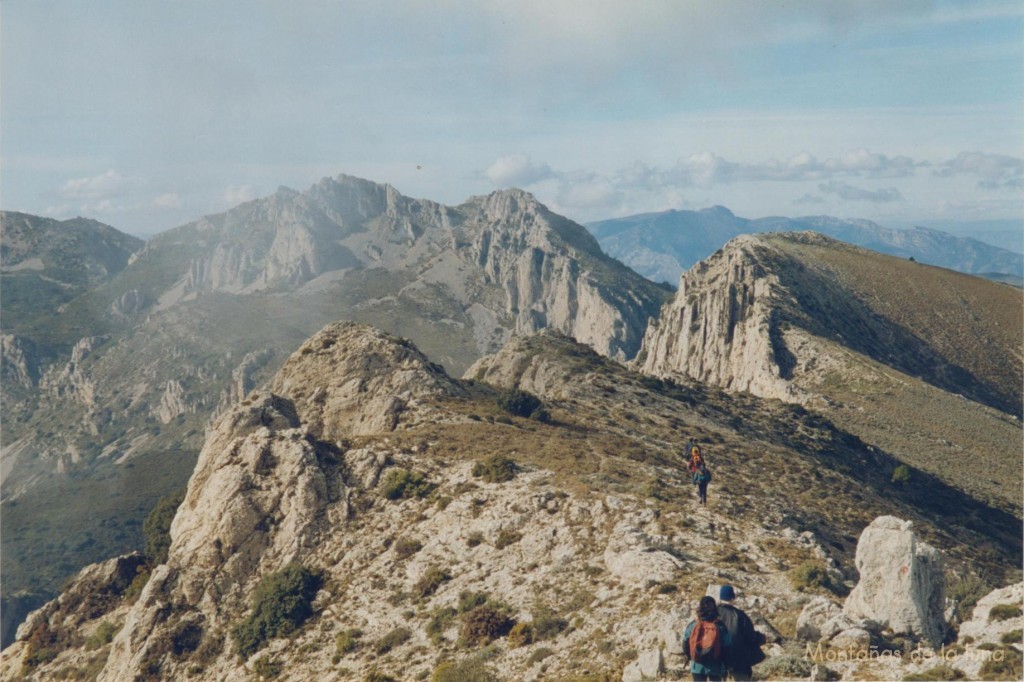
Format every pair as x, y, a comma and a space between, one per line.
45, 263
662, 245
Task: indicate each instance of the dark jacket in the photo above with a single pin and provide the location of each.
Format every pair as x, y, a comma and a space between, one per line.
746, 642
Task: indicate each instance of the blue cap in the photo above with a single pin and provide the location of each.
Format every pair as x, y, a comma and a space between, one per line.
726, 593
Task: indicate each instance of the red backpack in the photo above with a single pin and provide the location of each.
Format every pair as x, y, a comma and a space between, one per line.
706, 643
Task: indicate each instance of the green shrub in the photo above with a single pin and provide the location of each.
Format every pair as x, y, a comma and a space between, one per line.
157, 527
474, 539
539, 654
470, 600
405, 548
134, 590
1004, 664
468, 670
439, 621
811, 575
484, 624
521, 634
377, 676
281, 603
1012, 637
103, 635
392, 639
430, 581
901, 474
546, 623
266, 668
496, 469
965, 593
784, 667
401, 484
347, 641
507, 537
187, 639
1003, 612
522, 404
938, 673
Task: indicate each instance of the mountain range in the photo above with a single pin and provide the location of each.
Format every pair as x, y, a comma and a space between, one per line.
109, 394
878, 362
661, 246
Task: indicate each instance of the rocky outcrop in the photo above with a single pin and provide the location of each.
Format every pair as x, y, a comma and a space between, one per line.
555, 276
129, 303
20, 361
986, 626
173, 402
72, 380
352, 379
901, 582
723, 327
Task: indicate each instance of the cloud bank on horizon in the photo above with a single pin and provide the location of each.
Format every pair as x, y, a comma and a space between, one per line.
147, 115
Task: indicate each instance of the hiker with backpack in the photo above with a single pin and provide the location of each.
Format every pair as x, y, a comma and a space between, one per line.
706, 643
745, 651
701, 478
694, 457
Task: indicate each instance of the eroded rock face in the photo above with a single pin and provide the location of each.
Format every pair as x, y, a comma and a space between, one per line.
20, 361
723, 326
555, 275
901, 581
351, 379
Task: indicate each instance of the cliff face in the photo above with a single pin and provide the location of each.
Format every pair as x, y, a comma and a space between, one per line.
724, 326
914, 359
555, 276
577, 530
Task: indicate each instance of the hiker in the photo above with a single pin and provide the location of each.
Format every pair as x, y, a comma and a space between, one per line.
745, 651
701, 478
706, 643
694, 457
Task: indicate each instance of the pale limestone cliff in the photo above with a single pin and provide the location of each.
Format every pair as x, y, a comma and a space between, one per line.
723, 327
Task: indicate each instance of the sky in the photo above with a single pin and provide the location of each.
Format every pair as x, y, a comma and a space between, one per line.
147, 114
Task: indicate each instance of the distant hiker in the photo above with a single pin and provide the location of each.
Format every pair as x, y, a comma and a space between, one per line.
706, 643
701, 478
694, 457
745, 651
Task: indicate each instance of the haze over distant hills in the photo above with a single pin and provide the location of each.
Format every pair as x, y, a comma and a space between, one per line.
661, 246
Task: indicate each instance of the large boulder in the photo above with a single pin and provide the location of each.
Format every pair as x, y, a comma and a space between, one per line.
901, 583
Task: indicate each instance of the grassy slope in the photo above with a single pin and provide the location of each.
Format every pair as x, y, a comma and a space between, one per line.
892, 346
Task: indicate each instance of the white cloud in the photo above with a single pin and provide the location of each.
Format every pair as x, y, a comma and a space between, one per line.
516, 171
239, 194
851, 193
169, 200
103, 186
994, 170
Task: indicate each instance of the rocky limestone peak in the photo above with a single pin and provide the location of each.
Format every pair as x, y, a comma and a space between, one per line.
723, 326
352, 379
